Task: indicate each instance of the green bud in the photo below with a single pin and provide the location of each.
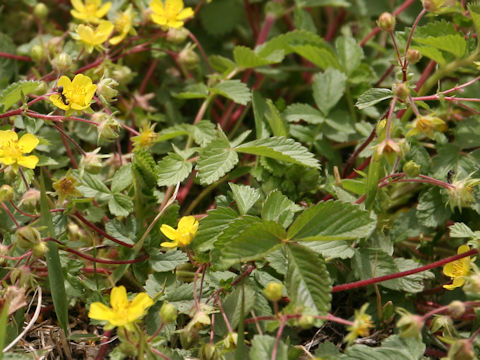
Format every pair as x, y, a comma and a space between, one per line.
230, 342
209, 352
273, 291
108, 129
388, 311
306, 321
410, 325
62, 63
37, 53
91, 162
168, 313
413, 56
433, 5
106, 91
21, 276
461, 350
461, 193
30, 199
386, 22
442, 322
40, 249
177, 36
188, 57
6, 192
401, 90
122, 74
27, 237
411, 168
456, 308
188, 337
472, 286
40, 10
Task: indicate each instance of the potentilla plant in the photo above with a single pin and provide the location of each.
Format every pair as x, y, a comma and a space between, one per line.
221, 179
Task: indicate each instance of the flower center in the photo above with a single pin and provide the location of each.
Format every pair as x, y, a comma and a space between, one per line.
12, 150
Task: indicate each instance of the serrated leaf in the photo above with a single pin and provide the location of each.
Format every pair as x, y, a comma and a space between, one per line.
372, 97
314, 3
277, 207
323, 57
203, 132
307, 281
280, 148
13, 93
274, 119
173, 169
432, 53
332, 220
234, 90
193, 91
259, 105
122, 178
247, 58
212, 226
253, 243
328, 88
262, 348
332, 249
392, 348
460, 230
125, 233
350, 54
245, 197
303, 112
431, 209
173, 132
454, 44
215, 160
94, 183
221, 64
287, 42
120, 205
167, 261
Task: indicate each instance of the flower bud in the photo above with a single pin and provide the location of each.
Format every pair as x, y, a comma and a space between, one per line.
230, 341
6, 192
456, 308
40, 249
106, 91
30, 199
40, 10
460, 194
433, 5
410, 325
27, 236
306, 321
188, 57
37, 53
388, 312
472, 285
386, 22
209, 352
21, 276
413, 56
401, 90
461, 350
75, 233
91, 162
411, 168
177, 36
108, 129
122, 74
168, 313
62, 63
4, 252
273, 291
188, 337
442, 322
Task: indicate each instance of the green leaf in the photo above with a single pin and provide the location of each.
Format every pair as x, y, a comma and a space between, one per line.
303, 112
289, 41
253, 243
125, 233
13, 93
221, 64
215, 160
94, 183
431, 53
431, 209
245, 197
145, 169
324, 58
374, 174
173, 132
454, 44
234, 90
372, 97
307, 281
280, 148
262, 348
332, 220
474, 10
221, 17
247, 58
55, 274
460, 230
392, 348
193, 91
337, 249
167, 261
213, 225
3, 327
275, 120
203, 132
279, 208
7, 66
328, 88
259, 105
350, 54
173, 169
232, 306
120, 204
122, 179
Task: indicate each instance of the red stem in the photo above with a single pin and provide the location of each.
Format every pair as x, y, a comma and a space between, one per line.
426, 73
105, 261
148, 75
104, 347
15, 57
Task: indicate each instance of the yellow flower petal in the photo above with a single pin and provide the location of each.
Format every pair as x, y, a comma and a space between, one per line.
58, 102
457, 282
78, 15
28, 161
157, 6
169, 244
78, 5
173, 6
27, 143
99, 311
118, 297
103, 10
169, 232
7, 160
7, 136
186, 223
185, 13
159, 19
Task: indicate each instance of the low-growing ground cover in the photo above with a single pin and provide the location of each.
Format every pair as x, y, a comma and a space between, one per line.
232, 179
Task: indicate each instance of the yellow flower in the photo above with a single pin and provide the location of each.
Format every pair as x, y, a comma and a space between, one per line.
183, 236
458, 269
146, 138
122, 312
12, 149
361, 324
170, 14
94, 38
74, 95
426, 125
123, 25
89, 10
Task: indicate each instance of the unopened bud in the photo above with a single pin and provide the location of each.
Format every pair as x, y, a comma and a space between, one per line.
30, 199
411, 169
401, 90
40, 10
433, 5
37, 53
108, 129
6, 192
386, 22
188, 57
410, 325
122, 74
460, 194
461, 350
177, 36
188, 336
456, 308
306, 321
27, 237
209, 352
62, 63
40, 249
273, 291
106, 90
441, 322
472, 284
168, 313
91, 162
413, 56
230, 342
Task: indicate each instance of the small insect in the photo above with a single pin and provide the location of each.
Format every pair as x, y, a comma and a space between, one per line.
62, 95
450, 175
